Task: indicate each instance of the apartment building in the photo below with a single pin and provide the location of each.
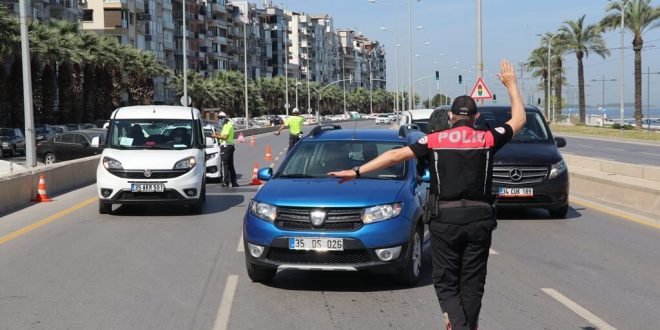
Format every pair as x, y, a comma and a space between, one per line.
46, 10
361, 58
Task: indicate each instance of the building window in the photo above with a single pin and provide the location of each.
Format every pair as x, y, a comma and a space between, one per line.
88, 15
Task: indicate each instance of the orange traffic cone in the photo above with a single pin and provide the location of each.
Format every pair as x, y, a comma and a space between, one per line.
268, 156
41, 191
252, 141
255, 180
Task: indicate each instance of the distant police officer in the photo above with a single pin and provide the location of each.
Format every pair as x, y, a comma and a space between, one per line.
226, 137
461, 165
295, 125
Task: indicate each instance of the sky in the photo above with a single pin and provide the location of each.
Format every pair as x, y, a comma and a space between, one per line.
510, 29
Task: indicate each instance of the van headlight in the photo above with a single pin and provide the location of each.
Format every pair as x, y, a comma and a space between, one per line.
263, 211
185, 164
210, 156
557, 168
112, 164
381, 212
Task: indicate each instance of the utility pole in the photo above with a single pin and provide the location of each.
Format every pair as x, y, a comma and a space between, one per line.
245, 67
603, 80
648, 95
30, 141
410, 57
480, 59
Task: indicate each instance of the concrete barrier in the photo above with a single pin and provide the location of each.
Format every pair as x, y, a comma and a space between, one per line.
628, 185
19, 188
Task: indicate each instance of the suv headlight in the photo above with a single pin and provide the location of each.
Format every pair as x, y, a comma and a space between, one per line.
556, 169
185, 164
263, 210
112, 164
211, 156
5, 144
381, 212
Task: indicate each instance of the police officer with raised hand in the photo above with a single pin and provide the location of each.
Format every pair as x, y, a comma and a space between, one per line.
227, 149
295, 124
463, 216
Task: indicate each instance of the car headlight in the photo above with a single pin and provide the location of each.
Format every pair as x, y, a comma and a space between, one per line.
381, 212
211, 156
112, 164
185, 164
5, 144
557, 168
263, 210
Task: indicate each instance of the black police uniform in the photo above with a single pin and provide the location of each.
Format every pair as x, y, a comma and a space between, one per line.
462, 217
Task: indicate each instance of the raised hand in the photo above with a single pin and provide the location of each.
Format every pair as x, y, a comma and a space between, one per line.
507, 75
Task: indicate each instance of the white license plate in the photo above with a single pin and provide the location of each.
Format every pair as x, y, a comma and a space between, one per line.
316, 244
515, 192
147, 187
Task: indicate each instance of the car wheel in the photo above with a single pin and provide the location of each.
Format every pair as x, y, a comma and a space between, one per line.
105, 208
410, 273
198, 206
49, 158
559, 212
258, 273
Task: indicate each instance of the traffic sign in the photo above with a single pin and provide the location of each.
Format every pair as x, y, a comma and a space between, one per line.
480, 91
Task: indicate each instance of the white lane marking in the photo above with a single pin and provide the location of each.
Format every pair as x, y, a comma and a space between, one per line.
650, 153
272, 164
241, 247
222, 320
579, 310
277, 158
281, 153
491, 251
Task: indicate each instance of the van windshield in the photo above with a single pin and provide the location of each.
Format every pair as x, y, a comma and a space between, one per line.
535, 129
151, 134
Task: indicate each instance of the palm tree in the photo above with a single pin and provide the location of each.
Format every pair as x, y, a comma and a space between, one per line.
582, 40
9, 33
69, 86
640, 17
537, 64
558, 49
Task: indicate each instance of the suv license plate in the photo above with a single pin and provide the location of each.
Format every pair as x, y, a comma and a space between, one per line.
516, 192
316, 244
147, 187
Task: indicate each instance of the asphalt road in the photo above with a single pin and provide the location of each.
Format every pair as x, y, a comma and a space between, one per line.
160, 268
643, 153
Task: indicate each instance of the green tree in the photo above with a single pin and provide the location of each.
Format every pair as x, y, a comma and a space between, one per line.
582, 40
640, 17
537, 64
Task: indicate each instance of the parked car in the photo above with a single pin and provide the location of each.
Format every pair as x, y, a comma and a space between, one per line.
383, 119
46, 132
12, 142
213, 162
528, 172
71, 145
143, 165
302, 219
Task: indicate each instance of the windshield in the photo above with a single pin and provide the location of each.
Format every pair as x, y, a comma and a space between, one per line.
7, 132
100, 135
534, 131
151, 134
316, 159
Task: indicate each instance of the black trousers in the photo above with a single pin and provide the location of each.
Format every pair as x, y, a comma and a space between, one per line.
228, 173
460, 258
293, 139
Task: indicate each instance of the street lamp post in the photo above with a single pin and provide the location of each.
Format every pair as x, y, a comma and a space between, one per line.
286, 70
624, 5
603, 80
549, 103
297, 84
648, 95
30, 140
318, 99
245, 67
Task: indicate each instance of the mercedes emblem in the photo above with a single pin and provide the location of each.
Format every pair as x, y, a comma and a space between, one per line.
516, 174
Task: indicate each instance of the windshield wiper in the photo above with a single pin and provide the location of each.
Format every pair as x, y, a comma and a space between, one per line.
298, 176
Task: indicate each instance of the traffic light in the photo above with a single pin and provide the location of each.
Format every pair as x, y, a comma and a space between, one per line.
538, 102
460, 79
494, 98
437, 75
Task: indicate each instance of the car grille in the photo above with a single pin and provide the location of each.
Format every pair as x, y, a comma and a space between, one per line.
336, 219
167, 195
313, 257
155, 174
502, 174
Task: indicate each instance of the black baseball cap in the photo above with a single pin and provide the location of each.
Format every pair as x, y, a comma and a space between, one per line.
464, 105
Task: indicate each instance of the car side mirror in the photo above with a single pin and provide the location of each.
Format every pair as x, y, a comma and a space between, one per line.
265, 173
561, 142
96, 141
210, 142
84, 143
427, 176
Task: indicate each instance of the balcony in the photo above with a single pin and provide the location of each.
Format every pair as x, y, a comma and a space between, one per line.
169, 25
218, 8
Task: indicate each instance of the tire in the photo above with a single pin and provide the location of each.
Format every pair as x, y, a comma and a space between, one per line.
198, 206
410, 273
559, 212
49, 158
258, 273
105, 208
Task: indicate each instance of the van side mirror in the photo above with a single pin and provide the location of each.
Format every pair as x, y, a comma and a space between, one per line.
561, 142
96, 142
210, 142
427, 176
265, 173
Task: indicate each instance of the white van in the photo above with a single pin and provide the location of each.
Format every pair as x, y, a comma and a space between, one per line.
419, 117
153, 155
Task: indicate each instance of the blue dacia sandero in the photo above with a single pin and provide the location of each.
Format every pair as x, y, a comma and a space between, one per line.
303, 219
